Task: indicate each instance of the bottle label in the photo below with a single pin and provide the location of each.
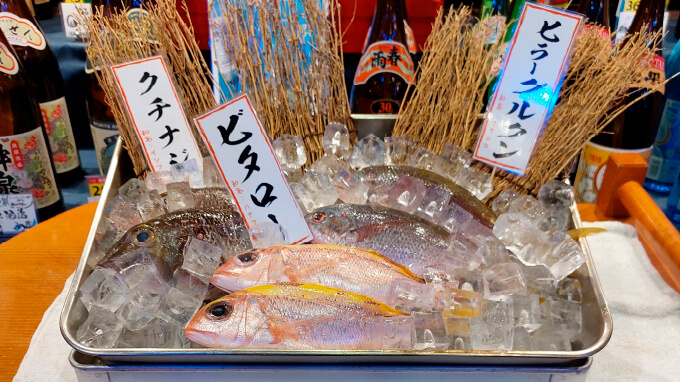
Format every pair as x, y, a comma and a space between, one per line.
600, 32
60, 133
410, 38
25, 168
653, 75
495, 31
591, 168
137, 17
665, 161
21, 32
385, 57
8, 64
105, 135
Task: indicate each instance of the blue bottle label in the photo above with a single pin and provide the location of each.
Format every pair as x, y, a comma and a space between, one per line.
664, 163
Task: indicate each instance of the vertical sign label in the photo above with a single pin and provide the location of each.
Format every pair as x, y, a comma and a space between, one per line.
17, 213
250, 169
156, 113
528, 87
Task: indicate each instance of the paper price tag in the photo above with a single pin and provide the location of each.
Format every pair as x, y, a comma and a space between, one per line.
156, 113
96, 184
17, 213
250, 169
528, 87
71, 13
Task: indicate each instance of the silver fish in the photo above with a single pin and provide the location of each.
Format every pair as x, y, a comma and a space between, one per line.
404, 238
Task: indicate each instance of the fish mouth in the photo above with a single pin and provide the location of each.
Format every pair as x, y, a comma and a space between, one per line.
200, 337
226, 282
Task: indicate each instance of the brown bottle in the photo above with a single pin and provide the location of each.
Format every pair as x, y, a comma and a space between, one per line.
26, 166
596, 11
42, 69
386, 66
102, 124
635, 129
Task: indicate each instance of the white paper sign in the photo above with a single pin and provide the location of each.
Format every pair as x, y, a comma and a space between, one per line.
250, 169
71, 14
156, 113
17, 213
528, 87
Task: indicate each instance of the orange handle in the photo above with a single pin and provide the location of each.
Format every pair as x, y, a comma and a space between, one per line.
656, 232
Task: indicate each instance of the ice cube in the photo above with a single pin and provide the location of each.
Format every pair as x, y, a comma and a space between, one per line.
131, 339
134, 192
493, 252
349, 188
493, 330
396, 333
501, 204
290, 150
398, 150
458, 302
565, 257
104, 288
201, 259
406, 193
292, 174
458, 331
177, 307
234, 237
407, 295
433, 204
539, 279
464, 250
472, 281
379, 195
504, 280
189, 284
526, 312
557, 197
327, 164
157, 180
369, 151
476, 181
569, 289
521, 339
211, 173
142, 302
160, 333
454, 218
562, 312
422, 158
267, 234
123, 215
315, 190
153, 208
551, 338
188, 172
100, 330
109, 236
335, 141
455, 153
529, 206
135, 266
521, 237
429, 332
179, 196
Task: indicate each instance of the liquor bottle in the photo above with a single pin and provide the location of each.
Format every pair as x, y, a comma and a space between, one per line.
42, 69
386, 67
26, 166
596, 11
43, 9
102, 124
634, 130
664, 164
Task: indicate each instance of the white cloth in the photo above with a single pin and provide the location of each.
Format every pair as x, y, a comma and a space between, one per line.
47, 355
645, 345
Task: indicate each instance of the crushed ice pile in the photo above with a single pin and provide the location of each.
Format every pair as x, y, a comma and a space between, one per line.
501, 290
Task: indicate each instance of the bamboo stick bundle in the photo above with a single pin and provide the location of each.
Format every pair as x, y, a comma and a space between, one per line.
292, 69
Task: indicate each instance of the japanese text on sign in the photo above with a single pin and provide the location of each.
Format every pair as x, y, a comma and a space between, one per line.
250, 169
17, 213
156, 112
528, 88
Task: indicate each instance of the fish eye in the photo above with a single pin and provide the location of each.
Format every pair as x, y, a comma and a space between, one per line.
220, 310
143, 236
319, 217
247, 258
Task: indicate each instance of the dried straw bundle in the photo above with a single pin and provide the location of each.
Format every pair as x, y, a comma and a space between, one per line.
293, 72
116, 40
450, 90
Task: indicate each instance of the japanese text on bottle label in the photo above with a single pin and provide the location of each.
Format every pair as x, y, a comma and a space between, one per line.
60, 133
21, 32
382, 57
104, 135
8, 64
17, 213
528, 87
250, 169
156, 112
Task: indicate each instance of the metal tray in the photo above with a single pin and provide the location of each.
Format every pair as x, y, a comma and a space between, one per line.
597, 321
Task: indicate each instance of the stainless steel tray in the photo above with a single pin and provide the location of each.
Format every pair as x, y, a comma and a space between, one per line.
597, 321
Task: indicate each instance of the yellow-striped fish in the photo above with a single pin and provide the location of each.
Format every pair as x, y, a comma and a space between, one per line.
356, 270
291, 316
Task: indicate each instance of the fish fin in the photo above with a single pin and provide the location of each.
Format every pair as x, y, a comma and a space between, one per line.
583, 232
364, 232
403, 269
